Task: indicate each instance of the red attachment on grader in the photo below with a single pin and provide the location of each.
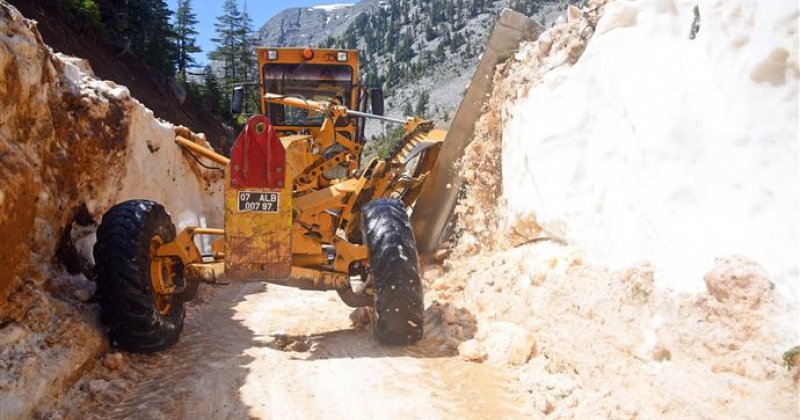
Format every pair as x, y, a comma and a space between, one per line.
258, 159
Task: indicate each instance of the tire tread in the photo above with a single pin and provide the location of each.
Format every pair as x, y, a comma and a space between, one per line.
394, 266
122, 273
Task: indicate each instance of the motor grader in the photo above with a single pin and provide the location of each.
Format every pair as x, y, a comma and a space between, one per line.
301, 209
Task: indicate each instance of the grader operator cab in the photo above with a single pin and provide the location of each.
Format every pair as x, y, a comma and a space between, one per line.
301, 207
301, 210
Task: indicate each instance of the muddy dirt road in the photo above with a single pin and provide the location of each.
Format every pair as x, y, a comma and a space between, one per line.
250, 350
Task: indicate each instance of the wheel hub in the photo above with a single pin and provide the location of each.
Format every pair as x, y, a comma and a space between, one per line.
162, 277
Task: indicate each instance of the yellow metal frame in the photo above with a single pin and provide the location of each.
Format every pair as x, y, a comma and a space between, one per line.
161, 277
324, 209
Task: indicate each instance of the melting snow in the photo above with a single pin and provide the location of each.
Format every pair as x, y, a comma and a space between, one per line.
332, 7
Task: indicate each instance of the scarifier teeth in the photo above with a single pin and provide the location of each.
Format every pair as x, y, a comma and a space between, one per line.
408, 142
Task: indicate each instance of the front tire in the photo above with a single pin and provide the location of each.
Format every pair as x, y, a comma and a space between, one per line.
138, 318
394, 268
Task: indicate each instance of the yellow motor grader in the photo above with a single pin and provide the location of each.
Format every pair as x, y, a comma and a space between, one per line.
301, 209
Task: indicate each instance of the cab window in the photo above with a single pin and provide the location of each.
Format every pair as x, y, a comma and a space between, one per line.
316, 82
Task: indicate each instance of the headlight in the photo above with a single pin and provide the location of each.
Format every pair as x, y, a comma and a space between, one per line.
341, 56
272, 55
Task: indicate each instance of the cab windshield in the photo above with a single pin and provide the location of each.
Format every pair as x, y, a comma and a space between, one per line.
316, 82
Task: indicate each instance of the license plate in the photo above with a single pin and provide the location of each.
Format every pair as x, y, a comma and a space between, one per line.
262, 202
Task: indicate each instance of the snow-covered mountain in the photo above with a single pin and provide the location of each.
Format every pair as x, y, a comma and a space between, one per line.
302, 26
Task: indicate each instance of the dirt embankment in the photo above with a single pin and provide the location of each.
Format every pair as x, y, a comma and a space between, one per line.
70, 147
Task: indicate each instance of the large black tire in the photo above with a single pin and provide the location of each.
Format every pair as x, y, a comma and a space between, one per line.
394, 268
123, 276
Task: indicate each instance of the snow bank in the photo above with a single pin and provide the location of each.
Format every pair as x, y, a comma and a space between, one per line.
656, 146
615, 138
153, 167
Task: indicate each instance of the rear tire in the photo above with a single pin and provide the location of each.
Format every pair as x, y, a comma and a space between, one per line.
394, 268
138, 319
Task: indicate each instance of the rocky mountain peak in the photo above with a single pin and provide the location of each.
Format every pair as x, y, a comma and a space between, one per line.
302, 26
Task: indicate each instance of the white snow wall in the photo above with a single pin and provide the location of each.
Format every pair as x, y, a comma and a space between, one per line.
155, 167
658, 147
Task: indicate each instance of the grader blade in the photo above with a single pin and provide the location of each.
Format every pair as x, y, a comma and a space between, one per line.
433, 210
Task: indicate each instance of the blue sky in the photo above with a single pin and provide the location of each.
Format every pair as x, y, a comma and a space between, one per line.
260, 10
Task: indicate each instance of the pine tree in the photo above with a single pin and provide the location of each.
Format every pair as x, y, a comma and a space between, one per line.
430, 32
244, 43
185, 36
212, 95
142, 27
228, 30
247, 66
158, 48
422, 104
408, 110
